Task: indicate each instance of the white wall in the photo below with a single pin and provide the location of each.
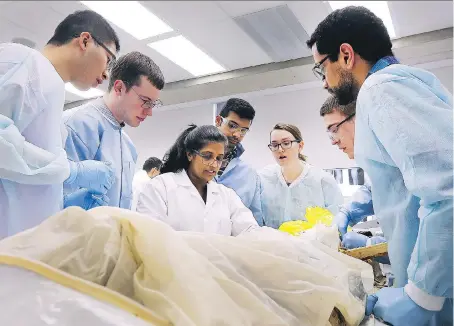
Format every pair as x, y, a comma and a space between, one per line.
300, 108
156, 134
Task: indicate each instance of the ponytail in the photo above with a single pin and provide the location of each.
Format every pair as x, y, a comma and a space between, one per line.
302, 157
176, 159
190, 140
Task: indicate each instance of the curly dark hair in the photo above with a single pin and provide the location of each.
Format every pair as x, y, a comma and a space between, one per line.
357, 26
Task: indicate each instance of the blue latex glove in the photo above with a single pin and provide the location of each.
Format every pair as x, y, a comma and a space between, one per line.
93, 175
394, 306
353, 240
85, 199
341, 220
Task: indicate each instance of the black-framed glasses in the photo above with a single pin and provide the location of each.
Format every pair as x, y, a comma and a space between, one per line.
335, 128
112, 57
319, 69
208, 159
284, 145
148, 104
233, 126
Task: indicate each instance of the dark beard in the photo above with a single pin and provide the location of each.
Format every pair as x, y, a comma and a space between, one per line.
348, 89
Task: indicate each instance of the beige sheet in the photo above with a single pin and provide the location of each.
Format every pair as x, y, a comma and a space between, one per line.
262, 278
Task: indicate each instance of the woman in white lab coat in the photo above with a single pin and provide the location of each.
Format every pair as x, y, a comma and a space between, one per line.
292, 185
185, 195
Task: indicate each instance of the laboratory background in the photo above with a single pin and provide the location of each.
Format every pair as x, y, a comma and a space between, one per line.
94, 262
254, 50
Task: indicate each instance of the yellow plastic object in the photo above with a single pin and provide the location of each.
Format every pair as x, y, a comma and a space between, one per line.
314, 215
294, 227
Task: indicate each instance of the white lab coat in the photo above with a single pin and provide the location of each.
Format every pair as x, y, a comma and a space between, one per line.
172, 198
138, 182
33, 163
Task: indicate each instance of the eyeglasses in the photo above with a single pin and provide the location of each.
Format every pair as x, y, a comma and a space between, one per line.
148, 104
110, 60
233, 126
208, 159
284, 145
319, 69
335, 128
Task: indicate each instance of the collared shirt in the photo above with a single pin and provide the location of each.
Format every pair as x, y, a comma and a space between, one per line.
95, 134
173, 199
230, 156
383, 63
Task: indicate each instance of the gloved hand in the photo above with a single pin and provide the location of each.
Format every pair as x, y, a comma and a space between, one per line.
95, 176
341, 220
353, 240
85, 199
394, 306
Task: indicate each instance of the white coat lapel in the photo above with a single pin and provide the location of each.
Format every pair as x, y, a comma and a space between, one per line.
212, 196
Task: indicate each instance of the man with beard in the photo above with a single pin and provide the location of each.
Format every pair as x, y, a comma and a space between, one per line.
403, 141
234, 122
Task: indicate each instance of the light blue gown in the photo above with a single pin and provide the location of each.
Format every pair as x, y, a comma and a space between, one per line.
404, 142
94, 134
282, 203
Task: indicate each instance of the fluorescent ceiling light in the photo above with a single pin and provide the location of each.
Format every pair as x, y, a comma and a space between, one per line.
185, 54
92, 92
380, 8
130, 16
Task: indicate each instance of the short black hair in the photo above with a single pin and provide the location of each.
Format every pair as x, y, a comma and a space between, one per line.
357, 26
130, 67
190, 140
240, 107
332, 104
152, 163
84, 21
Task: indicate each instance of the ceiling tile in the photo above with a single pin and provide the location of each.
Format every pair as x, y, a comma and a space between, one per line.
239, 8
64, 7
39, 19
310, 13
180, 14
234, 50
415, 17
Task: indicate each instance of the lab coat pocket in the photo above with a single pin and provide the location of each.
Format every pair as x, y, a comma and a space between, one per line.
225, 225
